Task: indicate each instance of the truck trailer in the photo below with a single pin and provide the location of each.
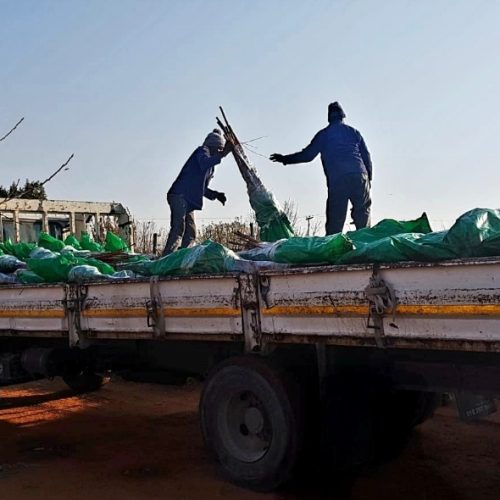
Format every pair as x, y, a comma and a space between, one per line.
329, 362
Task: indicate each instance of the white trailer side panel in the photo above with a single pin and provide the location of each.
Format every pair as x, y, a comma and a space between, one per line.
453, 301
203, 306
33, 310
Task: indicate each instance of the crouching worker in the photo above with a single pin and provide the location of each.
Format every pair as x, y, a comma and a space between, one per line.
187, 192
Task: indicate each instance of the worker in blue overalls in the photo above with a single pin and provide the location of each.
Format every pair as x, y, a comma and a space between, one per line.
347, 166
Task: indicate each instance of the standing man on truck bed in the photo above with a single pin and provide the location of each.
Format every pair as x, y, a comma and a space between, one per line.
187, 192
347, 166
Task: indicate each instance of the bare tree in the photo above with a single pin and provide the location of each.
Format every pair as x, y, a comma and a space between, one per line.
145, 235
225, 233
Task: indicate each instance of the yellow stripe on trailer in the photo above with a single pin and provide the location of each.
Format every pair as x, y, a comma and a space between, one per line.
403, 310
32, 313
349, 310
169, 312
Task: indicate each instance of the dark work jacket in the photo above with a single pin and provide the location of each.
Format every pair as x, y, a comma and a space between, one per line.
192, 181
343, 151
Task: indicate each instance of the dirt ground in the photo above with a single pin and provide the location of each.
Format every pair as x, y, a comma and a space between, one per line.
142, 441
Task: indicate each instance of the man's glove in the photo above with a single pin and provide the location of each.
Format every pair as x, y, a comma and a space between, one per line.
228, 147
221, 197
277, 158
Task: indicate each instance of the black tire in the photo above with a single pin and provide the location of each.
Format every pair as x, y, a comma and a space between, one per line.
395, 415
251, 422
84, 381
367, 421
407, 409
430, 401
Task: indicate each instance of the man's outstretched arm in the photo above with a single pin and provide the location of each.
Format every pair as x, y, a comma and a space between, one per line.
306, 155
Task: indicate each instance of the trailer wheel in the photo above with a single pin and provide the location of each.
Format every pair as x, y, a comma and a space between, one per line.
251, 422
84, 381
430, 401
408, 409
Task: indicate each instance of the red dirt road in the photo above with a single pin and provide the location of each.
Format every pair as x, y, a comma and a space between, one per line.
141, 441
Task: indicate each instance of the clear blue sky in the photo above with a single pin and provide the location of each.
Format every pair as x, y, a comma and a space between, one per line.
132, 87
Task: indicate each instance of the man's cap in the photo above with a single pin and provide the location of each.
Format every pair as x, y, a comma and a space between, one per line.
214, 139
335, 107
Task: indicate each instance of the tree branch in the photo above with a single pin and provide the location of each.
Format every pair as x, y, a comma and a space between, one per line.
65, 164
12, 129
48, 179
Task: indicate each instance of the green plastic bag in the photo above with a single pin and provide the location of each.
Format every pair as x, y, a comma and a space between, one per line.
72, 241
388, 241
114, 243
83, 273
87, 243
10, 263
429, 247
209, 257
388, 227
103, 267
47, 241
7, 247
29, 277
273, 222
312, 249
23, 250
476, 233
53, 269
388, 249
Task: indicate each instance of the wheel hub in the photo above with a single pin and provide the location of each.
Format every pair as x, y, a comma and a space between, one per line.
254, 420
246, 427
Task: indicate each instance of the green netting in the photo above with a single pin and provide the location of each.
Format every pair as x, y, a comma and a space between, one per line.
114, 243
50, 243
87, 243
72, 241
